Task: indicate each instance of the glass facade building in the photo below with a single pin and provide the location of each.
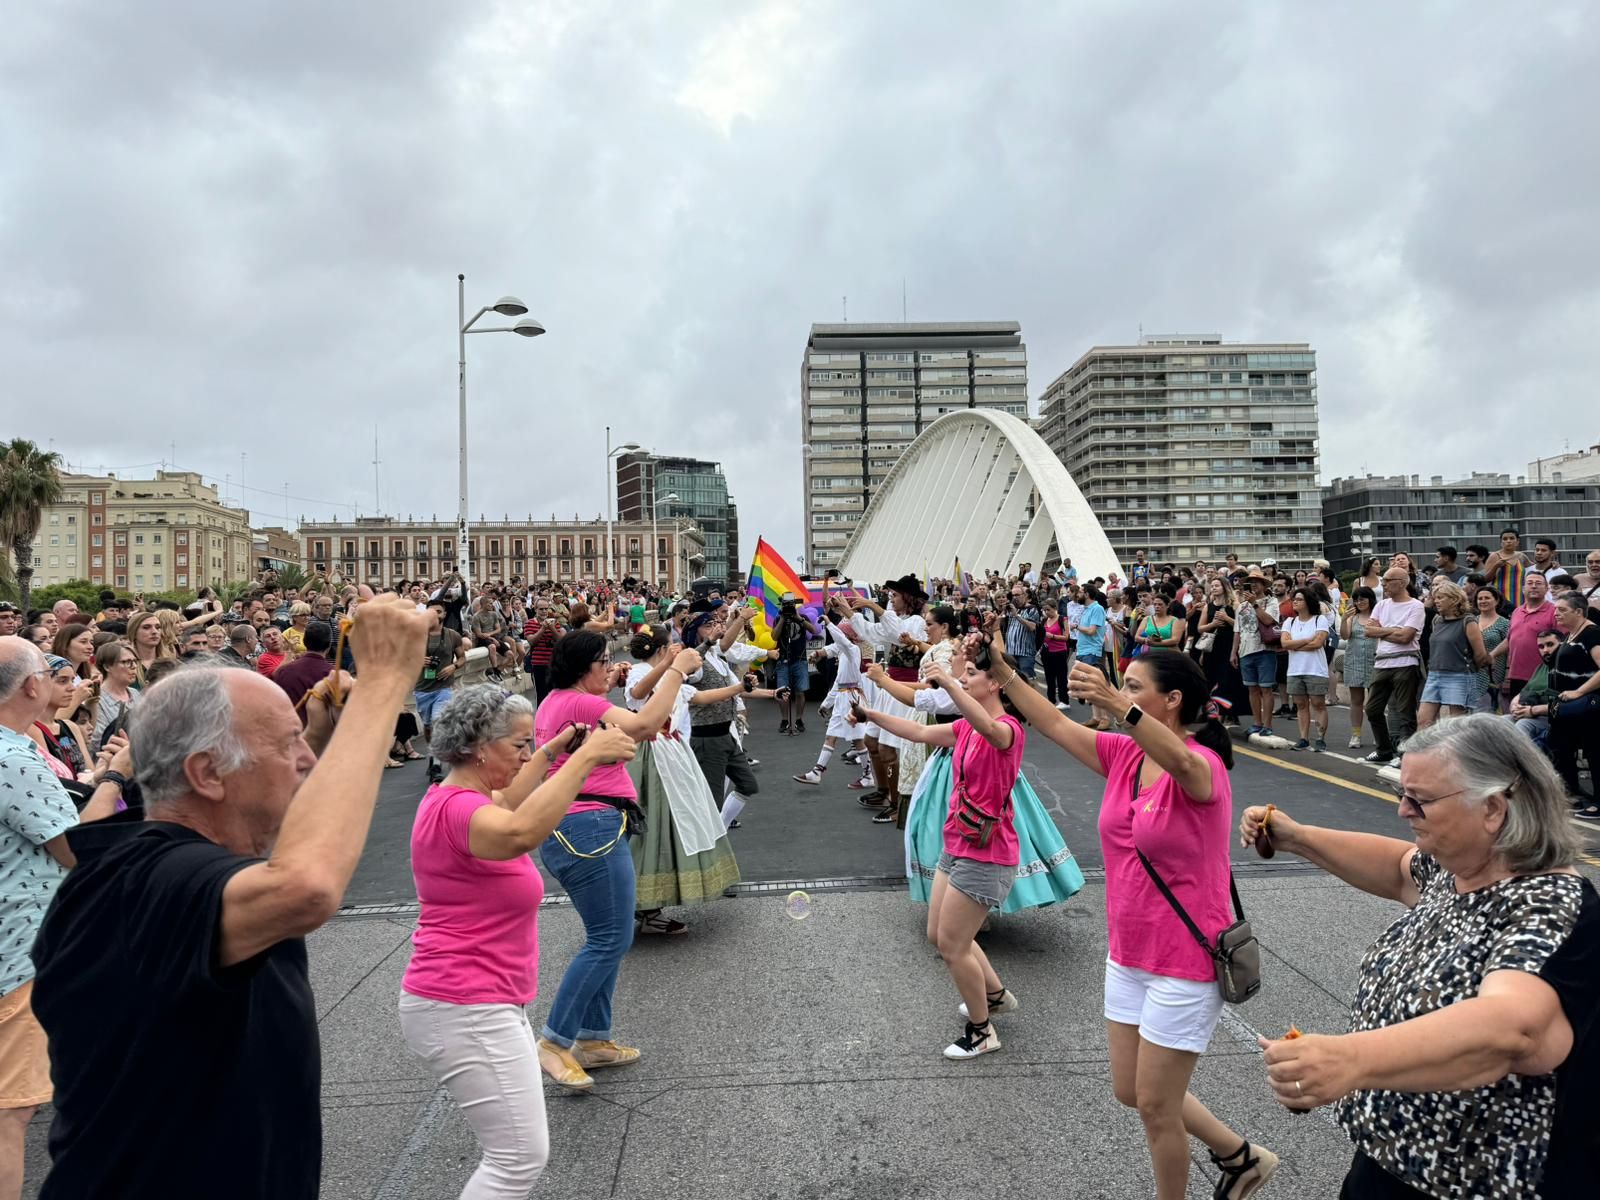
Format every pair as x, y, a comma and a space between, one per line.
868, 390
702, 492
1188, 447
1385, 514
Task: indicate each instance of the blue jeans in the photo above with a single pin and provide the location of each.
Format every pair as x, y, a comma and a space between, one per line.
602, 890
794, 675
1025, 665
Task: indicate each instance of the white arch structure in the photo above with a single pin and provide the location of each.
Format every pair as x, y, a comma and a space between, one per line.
982, 486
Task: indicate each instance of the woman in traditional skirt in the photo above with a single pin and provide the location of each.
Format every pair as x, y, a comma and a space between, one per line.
896, 630
684, 856
1046, 870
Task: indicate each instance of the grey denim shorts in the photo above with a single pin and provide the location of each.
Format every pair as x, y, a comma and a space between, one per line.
987, 883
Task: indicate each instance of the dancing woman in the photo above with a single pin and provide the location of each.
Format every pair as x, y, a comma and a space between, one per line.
1168, 796
897, 630
979, 863
583, 854
684, 856
846, 686
475, 963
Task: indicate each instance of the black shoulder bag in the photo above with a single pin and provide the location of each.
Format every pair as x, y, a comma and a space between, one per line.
1237, 954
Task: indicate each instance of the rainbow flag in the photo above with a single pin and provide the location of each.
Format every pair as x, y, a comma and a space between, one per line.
770, 577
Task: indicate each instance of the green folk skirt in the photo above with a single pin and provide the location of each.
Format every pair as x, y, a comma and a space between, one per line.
667, 873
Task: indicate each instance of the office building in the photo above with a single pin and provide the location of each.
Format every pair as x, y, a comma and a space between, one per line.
384, 550
275, 548
170, 533
1188, 447
1381, 515
867, 391
702, 490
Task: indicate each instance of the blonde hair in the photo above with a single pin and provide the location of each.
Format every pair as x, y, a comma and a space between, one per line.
1443, 590
171, 630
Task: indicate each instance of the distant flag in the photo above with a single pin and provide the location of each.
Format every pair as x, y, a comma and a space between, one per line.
963, 580
770, 578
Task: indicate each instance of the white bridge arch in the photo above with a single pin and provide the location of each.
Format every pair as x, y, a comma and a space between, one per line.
980, 485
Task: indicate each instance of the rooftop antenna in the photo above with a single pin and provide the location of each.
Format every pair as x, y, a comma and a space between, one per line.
902, 299
846, 308
377, 504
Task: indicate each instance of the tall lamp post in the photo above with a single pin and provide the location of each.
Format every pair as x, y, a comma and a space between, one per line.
506, 306
655, 509
611, 497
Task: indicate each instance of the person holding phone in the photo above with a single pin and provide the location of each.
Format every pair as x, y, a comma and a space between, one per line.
446, 653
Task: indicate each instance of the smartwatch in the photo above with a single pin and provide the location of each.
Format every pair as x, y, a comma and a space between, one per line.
1133, 716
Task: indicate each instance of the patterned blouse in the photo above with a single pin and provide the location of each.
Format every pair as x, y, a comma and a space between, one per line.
1523, 1135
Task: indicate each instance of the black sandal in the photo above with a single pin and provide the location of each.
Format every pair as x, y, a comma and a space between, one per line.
1265, 1160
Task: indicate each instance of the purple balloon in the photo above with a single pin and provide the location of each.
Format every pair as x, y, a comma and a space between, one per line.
812, 611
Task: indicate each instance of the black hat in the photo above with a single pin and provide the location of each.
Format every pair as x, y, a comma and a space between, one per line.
702, 604
907, 585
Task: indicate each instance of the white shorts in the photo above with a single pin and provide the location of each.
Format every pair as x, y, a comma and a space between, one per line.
1180, 1014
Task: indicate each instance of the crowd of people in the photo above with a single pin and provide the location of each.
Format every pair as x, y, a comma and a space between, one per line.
194, 786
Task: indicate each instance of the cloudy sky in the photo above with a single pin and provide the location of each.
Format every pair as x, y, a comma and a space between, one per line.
236, 228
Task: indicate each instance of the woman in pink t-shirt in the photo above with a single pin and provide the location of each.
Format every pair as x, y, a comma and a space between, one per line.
475, 953
979, 863
1167, 795
588, 854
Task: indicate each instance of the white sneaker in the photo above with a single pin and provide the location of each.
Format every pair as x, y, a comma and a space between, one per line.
1355, 741
1008, 1003
978, 1039
812, 777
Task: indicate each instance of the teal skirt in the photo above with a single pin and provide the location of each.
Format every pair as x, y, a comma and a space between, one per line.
1046, 871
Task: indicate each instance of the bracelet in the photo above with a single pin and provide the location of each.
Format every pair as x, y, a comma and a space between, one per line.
1007, 683
116, 777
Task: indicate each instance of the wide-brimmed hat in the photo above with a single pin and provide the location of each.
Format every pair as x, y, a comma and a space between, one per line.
907, 585
1255, 573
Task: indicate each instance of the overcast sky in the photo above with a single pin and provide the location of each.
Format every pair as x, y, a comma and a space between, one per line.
237, 228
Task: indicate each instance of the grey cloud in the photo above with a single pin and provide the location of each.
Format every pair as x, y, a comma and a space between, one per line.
240, 229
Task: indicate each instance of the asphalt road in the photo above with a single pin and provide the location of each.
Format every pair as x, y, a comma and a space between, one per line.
792, 832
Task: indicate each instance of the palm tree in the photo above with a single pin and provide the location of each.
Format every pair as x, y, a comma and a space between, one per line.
30, 481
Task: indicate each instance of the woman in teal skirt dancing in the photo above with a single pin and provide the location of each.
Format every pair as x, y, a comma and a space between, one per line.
1046, 871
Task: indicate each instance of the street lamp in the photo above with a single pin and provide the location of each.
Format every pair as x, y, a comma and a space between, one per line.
655, 508
506, 306
611, 497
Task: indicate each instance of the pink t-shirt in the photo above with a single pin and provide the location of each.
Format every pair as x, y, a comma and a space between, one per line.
569, 706
1186, 841
989, 775
1522, 656
477, 940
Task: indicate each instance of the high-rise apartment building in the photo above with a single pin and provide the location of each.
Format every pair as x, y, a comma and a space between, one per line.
1187, 447
867, 391
644, 480
170, 533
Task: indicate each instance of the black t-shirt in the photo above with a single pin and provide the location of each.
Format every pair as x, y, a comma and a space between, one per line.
174, 1077
1575, 660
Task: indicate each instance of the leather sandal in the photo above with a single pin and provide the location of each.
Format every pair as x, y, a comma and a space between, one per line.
1262, 1161
562, 1066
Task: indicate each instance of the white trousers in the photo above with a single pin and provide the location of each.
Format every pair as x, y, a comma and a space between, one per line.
486, 1057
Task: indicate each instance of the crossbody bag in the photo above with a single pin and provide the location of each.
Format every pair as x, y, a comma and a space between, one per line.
977, 825
1237, 954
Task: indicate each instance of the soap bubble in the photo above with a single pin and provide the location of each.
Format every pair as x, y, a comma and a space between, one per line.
798, 905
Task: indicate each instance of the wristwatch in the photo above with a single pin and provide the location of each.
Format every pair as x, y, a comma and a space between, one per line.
116, 777
1133, 716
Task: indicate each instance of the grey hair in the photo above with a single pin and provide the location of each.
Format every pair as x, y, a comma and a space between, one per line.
189, 712
22, 661
1488, 757
473, 717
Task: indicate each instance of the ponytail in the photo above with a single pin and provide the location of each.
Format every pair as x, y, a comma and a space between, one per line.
1172, 671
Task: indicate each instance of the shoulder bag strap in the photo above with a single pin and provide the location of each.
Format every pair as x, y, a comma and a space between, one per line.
1166, 892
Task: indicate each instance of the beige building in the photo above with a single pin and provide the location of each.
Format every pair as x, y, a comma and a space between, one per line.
170, 533
1187, 447
866, 392
383, 550
275, 548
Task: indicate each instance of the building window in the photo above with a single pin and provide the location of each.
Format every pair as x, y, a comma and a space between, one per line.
183, 539
566, 547
97, 519
97, 560
97, 497
543, 546
183, 581
138, 560
138, 539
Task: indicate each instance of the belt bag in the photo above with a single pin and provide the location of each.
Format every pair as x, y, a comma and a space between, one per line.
1237, 954
977, 826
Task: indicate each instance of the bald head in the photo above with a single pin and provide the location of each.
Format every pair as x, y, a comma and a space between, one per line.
24, 690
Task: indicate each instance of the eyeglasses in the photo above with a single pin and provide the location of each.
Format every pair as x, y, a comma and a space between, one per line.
1404, 797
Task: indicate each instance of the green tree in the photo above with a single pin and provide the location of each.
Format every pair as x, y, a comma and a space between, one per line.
292, 576
30, 481
81, 592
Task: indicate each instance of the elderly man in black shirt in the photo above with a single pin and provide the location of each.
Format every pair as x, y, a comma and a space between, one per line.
171, 967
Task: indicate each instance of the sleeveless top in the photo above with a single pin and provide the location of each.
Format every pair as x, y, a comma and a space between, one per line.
1448, 650
713, 675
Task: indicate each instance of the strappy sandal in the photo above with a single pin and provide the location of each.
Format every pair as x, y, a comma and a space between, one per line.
1264, 1162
